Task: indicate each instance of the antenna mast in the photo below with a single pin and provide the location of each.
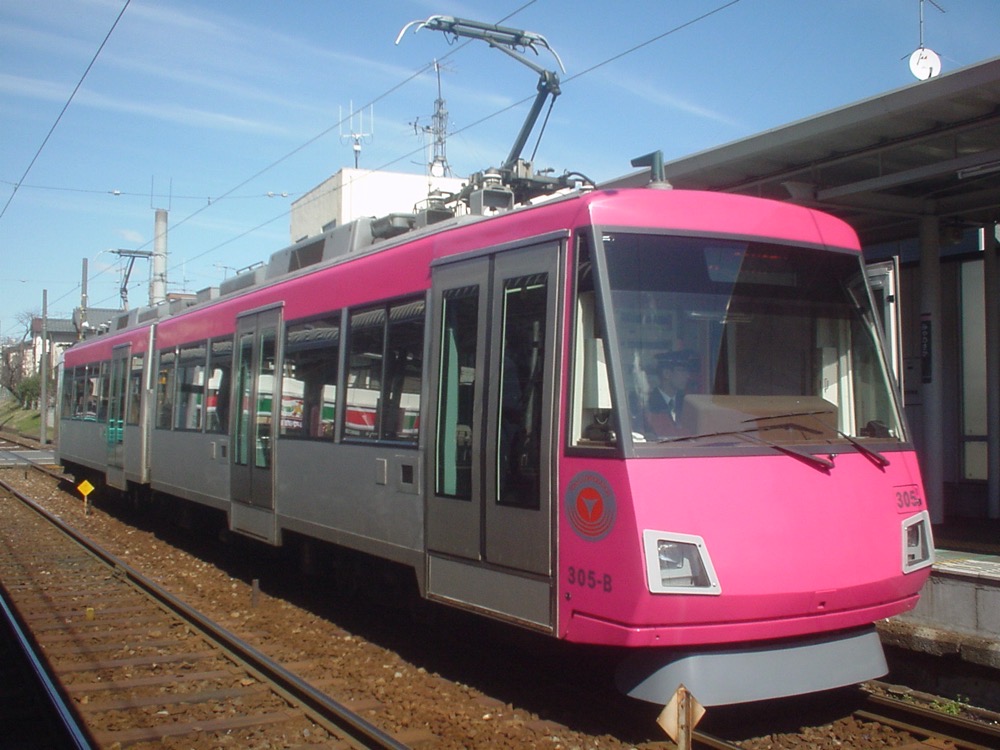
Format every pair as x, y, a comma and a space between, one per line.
925, 63
359, 136
437, 164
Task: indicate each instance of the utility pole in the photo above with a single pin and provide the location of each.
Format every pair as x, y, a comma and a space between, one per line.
83, 302
158, 278
42, 429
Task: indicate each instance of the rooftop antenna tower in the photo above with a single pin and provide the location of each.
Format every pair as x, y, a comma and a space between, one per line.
925, 63
357, 136
437, 165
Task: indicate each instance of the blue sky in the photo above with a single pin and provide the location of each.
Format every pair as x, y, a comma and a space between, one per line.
208, 109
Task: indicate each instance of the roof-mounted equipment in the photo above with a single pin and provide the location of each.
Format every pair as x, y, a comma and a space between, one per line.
657, 177
516, 173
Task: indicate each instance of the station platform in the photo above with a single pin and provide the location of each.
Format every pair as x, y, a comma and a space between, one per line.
959, 610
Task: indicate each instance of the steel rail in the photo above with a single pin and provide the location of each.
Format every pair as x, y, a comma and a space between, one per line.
964, 733
320, 707
70, 727
701, 739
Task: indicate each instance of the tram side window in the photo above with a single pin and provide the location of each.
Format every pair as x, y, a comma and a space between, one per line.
189, 403
68, 403
522, 346
457, 389
103, 391
385, 363
134, 409
404, 363
91, 392
364, 373
165, 389
309, 380
220, 365
592, 414
85, 405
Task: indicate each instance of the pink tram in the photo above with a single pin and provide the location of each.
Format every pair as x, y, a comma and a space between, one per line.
483, 401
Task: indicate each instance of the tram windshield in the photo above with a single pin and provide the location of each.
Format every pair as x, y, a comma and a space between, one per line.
735, 345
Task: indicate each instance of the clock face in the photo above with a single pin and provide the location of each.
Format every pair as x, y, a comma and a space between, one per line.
925, 64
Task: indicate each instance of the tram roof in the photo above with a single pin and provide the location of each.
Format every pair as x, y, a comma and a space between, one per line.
929, 148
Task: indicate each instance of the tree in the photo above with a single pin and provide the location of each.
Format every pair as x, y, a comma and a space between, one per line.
29, 390
12, 363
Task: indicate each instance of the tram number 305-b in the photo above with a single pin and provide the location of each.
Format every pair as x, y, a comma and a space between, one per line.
908, 498
590, 579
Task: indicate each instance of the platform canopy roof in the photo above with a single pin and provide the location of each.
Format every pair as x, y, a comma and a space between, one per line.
930, 148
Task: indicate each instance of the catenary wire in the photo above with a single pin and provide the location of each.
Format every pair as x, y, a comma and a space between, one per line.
393, 89
291, 153
514, 105
63, 111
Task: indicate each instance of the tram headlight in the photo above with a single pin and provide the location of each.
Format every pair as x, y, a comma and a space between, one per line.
918, 543
678, 564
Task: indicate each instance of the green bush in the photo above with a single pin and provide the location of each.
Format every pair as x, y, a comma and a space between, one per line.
29, 391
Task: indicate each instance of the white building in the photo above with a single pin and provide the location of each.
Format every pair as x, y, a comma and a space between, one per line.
352, 193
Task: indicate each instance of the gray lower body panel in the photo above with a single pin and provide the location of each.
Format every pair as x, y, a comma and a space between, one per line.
760, 672
256, 522
502, 594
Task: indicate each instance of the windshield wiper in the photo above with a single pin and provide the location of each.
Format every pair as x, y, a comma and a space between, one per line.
789, 415
701, 435
817, 461
870, 453
811, 458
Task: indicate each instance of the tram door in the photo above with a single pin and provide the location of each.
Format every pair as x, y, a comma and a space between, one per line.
120, 364
490, 463
254, 423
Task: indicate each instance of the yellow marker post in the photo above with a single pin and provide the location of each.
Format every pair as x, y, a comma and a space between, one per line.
85, 488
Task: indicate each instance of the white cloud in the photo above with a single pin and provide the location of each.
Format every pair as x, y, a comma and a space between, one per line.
33, 88
164, 110
657, 96
130, 236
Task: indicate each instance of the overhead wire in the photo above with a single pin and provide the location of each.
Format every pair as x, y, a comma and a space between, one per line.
69, 101
598, 65
498, 112
130, 194
315, 138
296, 150
229, 194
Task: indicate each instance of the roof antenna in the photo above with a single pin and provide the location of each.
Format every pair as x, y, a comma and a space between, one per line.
359, 136
437, 165
925, 63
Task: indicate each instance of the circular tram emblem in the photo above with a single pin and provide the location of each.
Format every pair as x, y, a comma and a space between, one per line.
590, 506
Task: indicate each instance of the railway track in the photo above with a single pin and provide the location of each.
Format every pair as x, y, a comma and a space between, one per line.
160, 697
18, 452
33, 712
139, 666
922, 716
